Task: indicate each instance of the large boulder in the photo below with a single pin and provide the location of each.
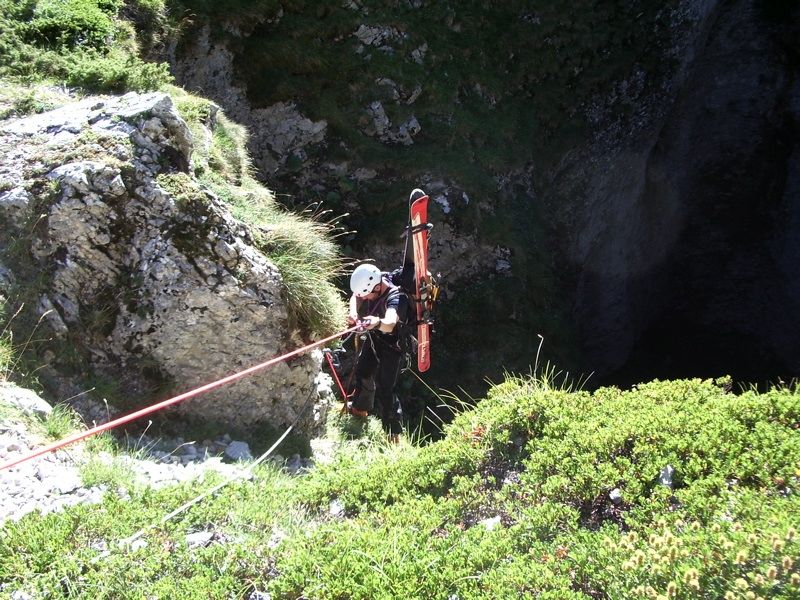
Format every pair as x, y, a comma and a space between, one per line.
145, 270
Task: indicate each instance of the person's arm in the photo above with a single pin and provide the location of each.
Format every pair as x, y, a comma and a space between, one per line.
352, 313
388, 322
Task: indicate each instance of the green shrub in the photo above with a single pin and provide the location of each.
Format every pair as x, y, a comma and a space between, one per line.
544, 461
513, 502
60, 24
307, 259
151, 22
113, 72
82, 43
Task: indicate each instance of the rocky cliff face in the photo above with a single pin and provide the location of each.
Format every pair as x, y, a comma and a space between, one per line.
687, 229
629, 194
137, 273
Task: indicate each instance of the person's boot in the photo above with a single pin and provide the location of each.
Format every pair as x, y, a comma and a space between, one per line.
394, 438
356, 412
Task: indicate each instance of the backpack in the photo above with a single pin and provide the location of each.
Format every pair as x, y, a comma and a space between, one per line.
403, 279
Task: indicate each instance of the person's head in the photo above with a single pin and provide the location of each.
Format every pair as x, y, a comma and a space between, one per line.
365, 279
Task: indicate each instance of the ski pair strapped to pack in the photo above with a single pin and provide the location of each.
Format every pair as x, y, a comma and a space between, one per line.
424, 287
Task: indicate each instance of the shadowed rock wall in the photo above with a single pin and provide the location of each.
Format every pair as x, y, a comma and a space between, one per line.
713, 210
644, 219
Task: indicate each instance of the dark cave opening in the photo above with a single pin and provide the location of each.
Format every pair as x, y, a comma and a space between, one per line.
725, 298
675, 347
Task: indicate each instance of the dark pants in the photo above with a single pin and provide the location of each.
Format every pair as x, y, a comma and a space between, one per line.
376, 374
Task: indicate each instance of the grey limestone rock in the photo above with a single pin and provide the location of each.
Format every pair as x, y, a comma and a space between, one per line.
6, 280
199, 539
381, 126
280, 130
14, 205
163, 283
24, 400
238, 451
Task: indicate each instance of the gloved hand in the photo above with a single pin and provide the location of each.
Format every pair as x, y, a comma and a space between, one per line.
370, 322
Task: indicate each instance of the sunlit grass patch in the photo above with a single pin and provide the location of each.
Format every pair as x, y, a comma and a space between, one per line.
80, 43
514, 501
61, 422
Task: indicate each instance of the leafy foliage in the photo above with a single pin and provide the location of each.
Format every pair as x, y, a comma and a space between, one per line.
82, 43
514, 501
69, 24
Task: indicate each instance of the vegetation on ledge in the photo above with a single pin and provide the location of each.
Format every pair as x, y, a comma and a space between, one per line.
82, 43
538, 492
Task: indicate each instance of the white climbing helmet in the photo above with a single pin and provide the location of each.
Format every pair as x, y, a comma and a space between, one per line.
364, 279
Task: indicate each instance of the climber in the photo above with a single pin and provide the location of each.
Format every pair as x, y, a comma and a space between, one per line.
383, 310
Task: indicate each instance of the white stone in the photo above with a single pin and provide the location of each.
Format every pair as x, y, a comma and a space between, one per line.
238, 451
64, 483
442, 201
14, 205
336, 508
26, 401
199, 539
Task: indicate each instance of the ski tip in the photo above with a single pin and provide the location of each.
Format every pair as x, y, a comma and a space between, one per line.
416, 194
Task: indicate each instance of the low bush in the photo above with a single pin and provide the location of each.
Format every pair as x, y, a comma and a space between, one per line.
81, 43
516, 500
59, 24
557, 493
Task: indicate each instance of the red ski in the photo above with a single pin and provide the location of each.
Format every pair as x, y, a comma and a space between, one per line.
418, 228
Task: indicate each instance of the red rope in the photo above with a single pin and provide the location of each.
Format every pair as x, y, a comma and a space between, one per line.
75, 437
336, 377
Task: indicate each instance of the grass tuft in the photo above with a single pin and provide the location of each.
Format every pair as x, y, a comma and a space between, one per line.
61, 422
109, 470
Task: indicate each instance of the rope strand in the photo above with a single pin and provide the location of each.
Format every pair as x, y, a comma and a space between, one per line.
76, 437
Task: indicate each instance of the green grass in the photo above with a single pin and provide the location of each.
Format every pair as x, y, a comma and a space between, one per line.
6, 355
20, 100
107, 470
61, 422
513, 502
81, 43
6, 341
